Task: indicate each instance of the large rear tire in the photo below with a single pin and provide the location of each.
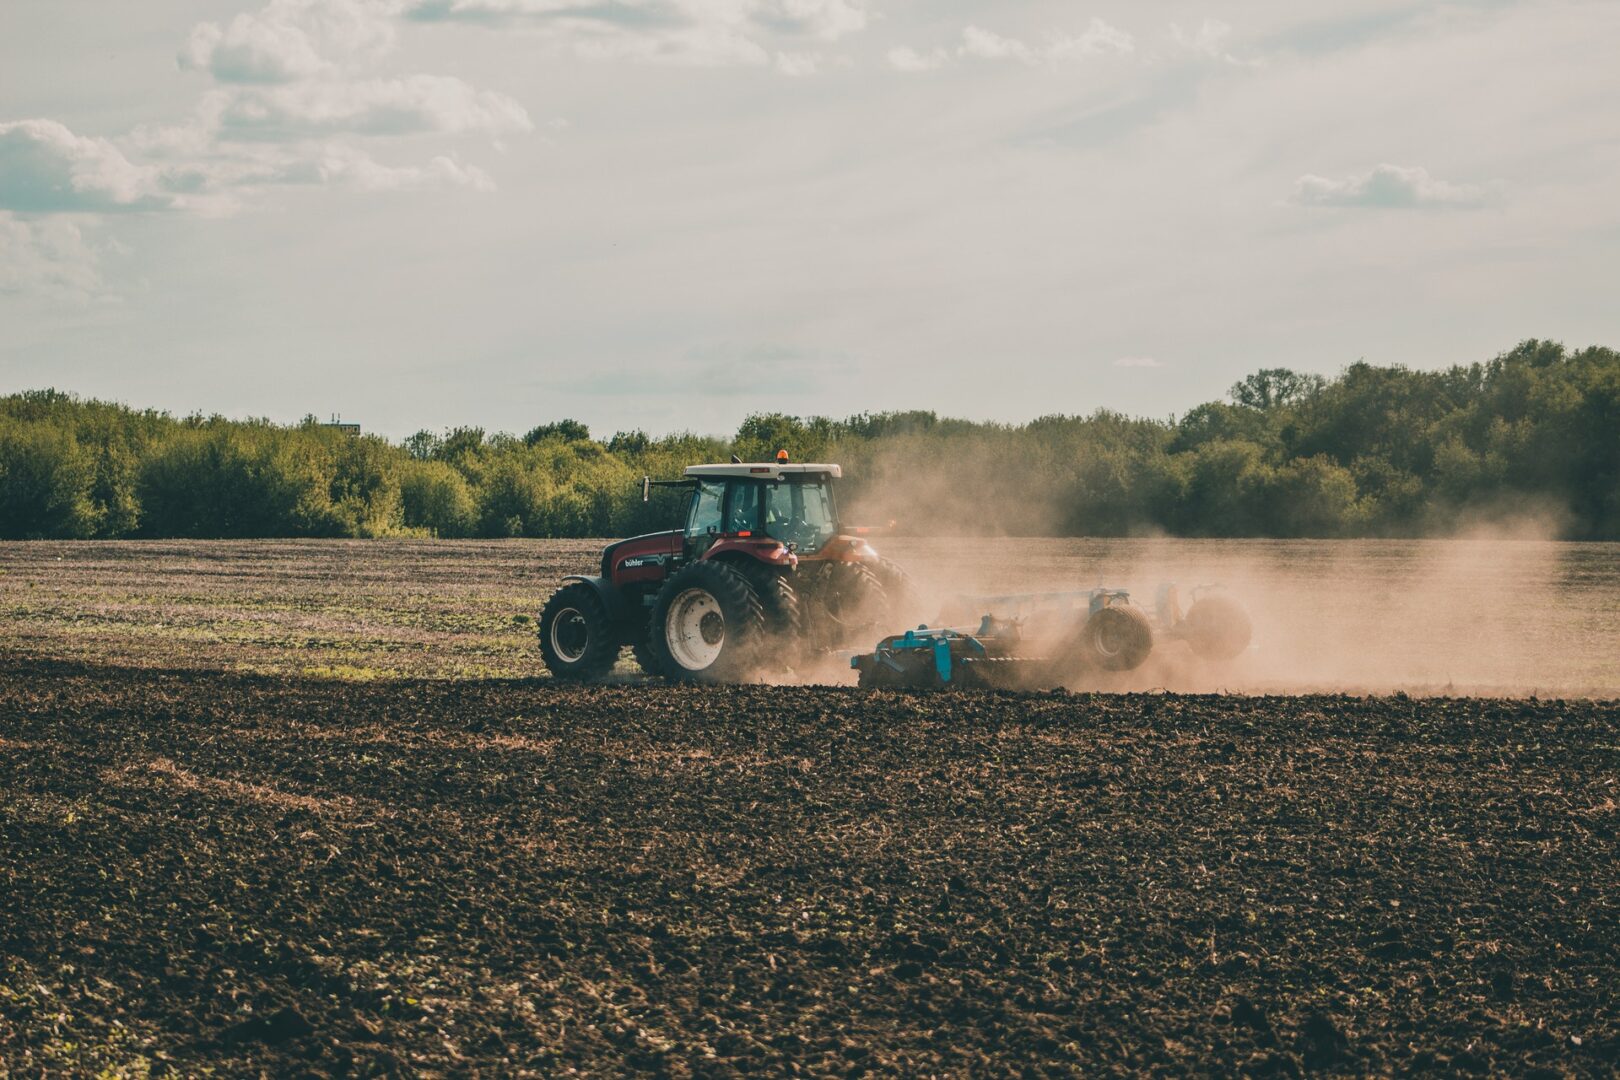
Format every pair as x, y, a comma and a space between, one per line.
784, 613
578, 641
853, 606
1116, 638
899, 592
1218, 628
784, 617
708, 626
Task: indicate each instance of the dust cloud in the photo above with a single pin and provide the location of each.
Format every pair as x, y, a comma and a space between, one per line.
1495, 610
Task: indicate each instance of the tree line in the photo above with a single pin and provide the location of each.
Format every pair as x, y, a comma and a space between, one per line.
1376, 451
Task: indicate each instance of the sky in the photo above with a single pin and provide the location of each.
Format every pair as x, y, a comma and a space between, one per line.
668, 214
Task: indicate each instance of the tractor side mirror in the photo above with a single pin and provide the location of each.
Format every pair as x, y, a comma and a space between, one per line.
646, 489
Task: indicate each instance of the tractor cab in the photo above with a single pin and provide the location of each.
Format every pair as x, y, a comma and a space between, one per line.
777, 504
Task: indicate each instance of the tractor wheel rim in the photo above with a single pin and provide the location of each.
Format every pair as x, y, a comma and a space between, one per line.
1109, 640
695, 629
570, 635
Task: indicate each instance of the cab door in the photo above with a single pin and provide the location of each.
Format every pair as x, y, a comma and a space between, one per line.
705, 518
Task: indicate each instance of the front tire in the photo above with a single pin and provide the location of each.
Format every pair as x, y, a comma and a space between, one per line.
577, 637
708, 626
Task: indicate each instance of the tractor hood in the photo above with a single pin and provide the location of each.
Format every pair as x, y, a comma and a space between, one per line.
650, 546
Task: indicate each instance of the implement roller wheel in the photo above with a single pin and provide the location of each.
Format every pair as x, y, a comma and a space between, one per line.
903, 669
1116, 638
1218, 628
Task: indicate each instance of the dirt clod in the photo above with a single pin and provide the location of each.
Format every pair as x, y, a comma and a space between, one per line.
277, 1027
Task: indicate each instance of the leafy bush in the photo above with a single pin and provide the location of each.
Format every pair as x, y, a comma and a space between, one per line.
435, 497
239, 480
364, 489
45, 484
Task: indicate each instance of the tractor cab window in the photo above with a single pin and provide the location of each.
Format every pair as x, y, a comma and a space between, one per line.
799, 513
744, 512
705, 514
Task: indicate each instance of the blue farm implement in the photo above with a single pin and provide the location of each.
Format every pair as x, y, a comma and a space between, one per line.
1045, 639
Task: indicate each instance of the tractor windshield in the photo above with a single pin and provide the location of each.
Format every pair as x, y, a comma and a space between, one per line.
798, 512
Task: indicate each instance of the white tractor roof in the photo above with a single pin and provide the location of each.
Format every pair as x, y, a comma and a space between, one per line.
762, 470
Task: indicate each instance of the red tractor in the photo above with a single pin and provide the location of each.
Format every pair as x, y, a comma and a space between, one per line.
762, 576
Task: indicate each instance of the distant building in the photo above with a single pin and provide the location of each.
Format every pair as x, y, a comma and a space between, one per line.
339, 425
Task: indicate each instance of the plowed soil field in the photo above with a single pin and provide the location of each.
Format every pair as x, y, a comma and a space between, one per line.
306, 808
206, 870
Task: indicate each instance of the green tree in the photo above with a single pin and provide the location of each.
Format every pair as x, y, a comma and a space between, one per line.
1227, 486
241, 480
1312, 496
423, 446
1377, 450
763, 434
566, 430
435, 497
46, 482
1273, 388
515, 500
364, 489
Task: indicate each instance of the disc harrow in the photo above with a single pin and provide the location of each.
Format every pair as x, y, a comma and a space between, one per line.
1041, 639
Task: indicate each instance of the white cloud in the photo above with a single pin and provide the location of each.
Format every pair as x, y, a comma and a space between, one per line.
49, 257
1098, 38
221, 177
827, 20
45, 168
295, 104
1138, 362
359, 172
910, 60
254, 52
798, 64
1208, 40
1092, 198
207, 175
307, 52
410, 105
704, 33
692, 46
991, 46
290, 40
1387, 186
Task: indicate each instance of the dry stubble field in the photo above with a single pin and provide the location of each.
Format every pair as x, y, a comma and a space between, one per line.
302, 808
